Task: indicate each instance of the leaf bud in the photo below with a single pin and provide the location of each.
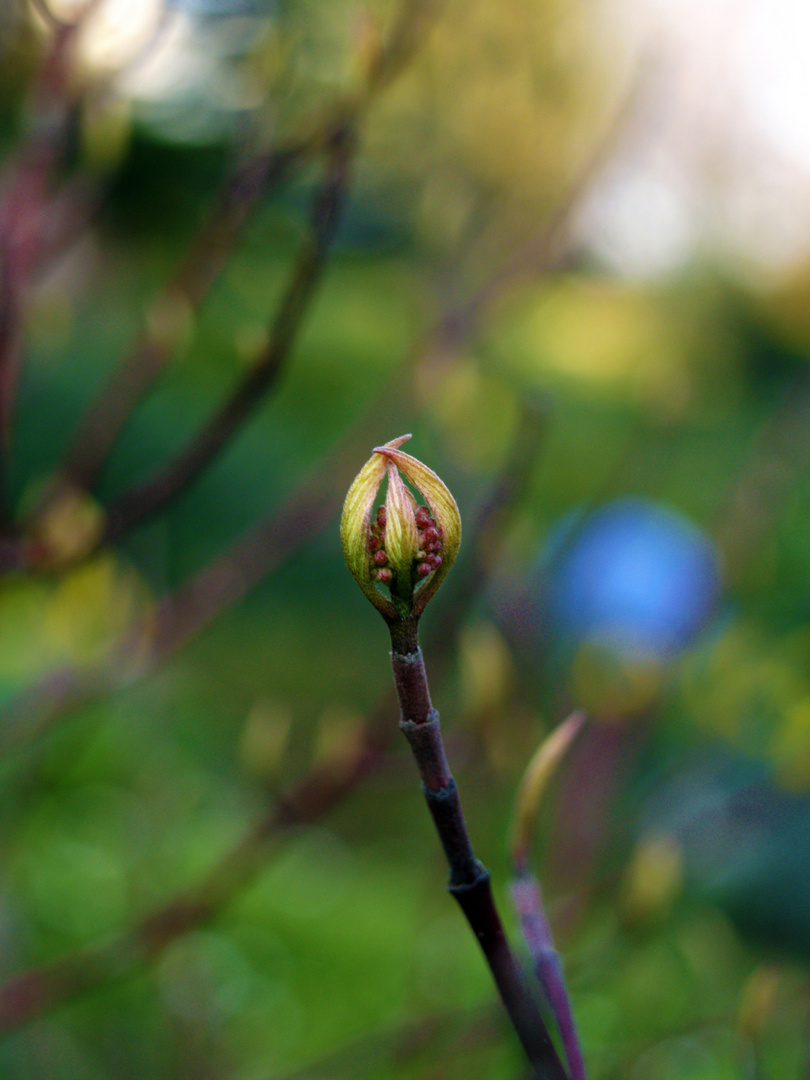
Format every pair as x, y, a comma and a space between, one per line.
404, 546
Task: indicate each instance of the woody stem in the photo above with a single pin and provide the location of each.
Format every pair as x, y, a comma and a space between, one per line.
469, 880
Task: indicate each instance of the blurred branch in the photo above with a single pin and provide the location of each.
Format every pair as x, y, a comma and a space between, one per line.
186, 290
38, 990
48, 16
546, 249
80, 195
526, 894
228, 578
178, 617
150, 497
253, 180
23, 201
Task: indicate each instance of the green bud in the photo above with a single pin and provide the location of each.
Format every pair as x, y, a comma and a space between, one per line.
403, 547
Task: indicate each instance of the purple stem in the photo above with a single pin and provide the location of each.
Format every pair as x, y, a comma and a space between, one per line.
469, 879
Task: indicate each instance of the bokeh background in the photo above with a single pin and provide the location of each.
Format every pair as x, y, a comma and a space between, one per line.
574, 261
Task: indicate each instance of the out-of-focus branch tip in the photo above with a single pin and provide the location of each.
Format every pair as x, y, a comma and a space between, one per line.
535, 780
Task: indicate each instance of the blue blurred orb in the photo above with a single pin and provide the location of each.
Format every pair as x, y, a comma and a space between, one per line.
634, 576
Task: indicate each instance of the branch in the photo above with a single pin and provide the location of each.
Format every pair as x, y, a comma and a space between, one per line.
469, 879
251, 182
186, 290
528, 901
25, 193
527, 897
149, 498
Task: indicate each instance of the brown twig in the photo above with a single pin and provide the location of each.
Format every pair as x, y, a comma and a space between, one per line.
25, 194
186, 290
469, 880
250, 183
148, 498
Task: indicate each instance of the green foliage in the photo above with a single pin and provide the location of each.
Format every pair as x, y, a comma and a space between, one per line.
341, 954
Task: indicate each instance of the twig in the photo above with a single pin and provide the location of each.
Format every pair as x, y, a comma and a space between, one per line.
407, 549
469, 879
252, 181
150, 497
534, 924
186, 290
25, 193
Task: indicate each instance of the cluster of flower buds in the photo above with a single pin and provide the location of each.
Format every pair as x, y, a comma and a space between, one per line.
429, 544
403, 545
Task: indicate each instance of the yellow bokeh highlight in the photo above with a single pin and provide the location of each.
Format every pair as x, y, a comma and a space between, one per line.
759, 999
265, 738
91, 608
652, 880
790, 750
612, 686
486, 669
476, 412
68, 528
599, 332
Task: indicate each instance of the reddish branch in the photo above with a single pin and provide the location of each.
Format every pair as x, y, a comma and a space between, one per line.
250, 183
24, 195
150, 497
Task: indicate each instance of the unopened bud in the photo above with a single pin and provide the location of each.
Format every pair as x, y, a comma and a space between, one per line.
404, 546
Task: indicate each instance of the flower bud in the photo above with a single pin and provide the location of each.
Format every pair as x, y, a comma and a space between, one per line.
403, 546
